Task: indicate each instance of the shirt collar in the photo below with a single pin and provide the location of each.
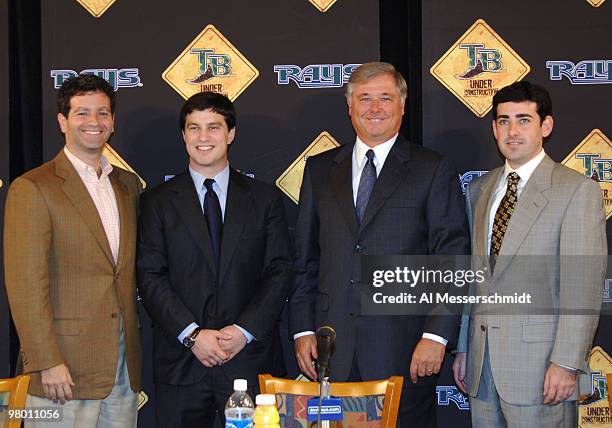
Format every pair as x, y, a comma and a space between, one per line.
381, 151
86, 171
221, 180
525, 170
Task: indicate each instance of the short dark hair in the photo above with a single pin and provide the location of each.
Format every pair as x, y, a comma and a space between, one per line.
214, 101
524, 91
79, 85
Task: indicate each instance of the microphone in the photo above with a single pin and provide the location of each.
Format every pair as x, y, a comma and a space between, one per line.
326, 337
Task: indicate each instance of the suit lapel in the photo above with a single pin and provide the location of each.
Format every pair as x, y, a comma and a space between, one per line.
238, 205
530, 204
481, 213
126, 215
187, 204
75, 190
394, 171
342, 186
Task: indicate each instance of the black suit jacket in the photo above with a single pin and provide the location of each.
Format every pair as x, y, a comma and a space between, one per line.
416, 208
179, 284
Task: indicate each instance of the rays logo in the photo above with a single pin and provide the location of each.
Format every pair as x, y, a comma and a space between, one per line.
597, 168
448, 394
589, 72
118, 78
315, 75
467, 177
480, 60
607, 291
211, 65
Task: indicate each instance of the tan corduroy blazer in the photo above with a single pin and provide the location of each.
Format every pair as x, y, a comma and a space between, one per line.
67, 296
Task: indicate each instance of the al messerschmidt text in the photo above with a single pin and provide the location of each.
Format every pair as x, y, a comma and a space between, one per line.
445, 298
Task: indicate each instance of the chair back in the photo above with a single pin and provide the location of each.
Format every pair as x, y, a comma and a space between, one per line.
17, 387
389, 389
609, 383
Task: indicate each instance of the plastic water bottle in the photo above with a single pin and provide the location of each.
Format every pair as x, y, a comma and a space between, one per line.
239, 408
266, 413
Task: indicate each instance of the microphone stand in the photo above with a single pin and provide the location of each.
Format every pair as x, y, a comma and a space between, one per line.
324, 388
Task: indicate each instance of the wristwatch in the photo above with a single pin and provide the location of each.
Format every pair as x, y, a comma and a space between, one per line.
189, 340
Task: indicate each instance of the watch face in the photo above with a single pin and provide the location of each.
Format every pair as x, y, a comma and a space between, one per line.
188, 342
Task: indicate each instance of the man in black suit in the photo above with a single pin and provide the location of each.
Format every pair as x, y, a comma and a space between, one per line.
214, 272
379, 196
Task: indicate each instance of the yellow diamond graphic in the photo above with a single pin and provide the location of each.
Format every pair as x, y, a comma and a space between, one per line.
478, 65
596, 3
593, 158
114, 158
96, 7
323, 5
143, 398
210, 63
593, 411
290, 181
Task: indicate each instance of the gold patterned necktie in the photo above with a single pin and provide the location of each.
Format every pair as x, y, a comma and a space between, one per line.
502, 216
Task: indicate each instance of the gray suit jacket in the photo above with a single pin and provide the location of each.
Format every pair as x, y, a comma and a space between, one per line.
554, 249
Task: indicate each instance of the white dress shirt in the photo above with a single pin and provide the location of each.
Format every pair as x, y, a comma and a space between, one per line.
101, 191
524, 172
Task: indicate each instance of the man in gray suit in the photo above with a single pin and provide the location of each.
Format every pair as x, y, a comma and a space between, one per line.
538, 227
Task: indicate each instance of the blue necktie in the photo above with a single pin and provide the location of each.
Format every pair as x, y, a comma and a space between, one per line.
212, 212
366, 185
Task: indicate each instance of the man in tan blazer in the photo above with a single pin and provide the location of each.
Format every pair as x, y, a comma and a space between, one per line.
538, 228
69, 250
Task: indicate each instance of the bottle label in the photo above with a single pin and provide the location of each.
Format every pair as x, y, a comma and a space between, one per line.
238, 423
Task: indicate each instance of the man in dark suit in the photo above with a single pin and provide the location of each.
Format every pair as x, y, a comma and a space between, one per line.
381, 195
214, 271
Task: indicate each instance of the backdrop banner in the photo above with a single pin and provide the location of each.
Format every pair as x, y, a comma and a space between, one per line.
284, 64
469, 53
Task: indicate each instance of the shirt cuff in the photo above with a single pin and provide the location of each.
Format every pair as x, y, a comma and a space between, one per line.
303, 333
191, 327
435, 338
567, 367
249, 336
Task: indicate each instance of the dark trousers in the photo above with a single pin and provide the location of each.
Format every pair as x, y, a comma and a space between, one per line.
417, 406
196, 405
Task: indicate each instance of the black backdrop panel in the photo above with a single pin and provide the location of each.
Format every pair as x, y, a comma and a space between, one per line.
275, 122
577, 32
4, 180
538, 32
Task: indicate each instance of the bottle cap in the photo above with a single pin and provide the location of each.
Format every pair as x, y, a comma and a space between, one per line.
240, 385
265, 400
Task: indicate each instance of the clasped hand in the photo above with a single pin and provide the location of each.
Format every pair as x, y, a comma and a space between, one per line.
216, 347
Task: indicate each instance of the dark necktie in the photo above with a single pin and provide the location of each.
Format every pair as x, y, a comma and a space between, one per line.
502, 216
366, 184
214, 222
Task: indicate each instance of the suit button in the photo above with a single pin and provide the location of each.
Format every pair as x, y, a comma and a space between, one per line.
352, 314
483, 327
358, 248
352, 282
114, 315
210, 316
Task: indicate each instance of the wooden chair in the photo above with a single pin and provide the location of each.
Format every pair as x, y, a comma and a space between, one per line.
391, 388
17, 387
